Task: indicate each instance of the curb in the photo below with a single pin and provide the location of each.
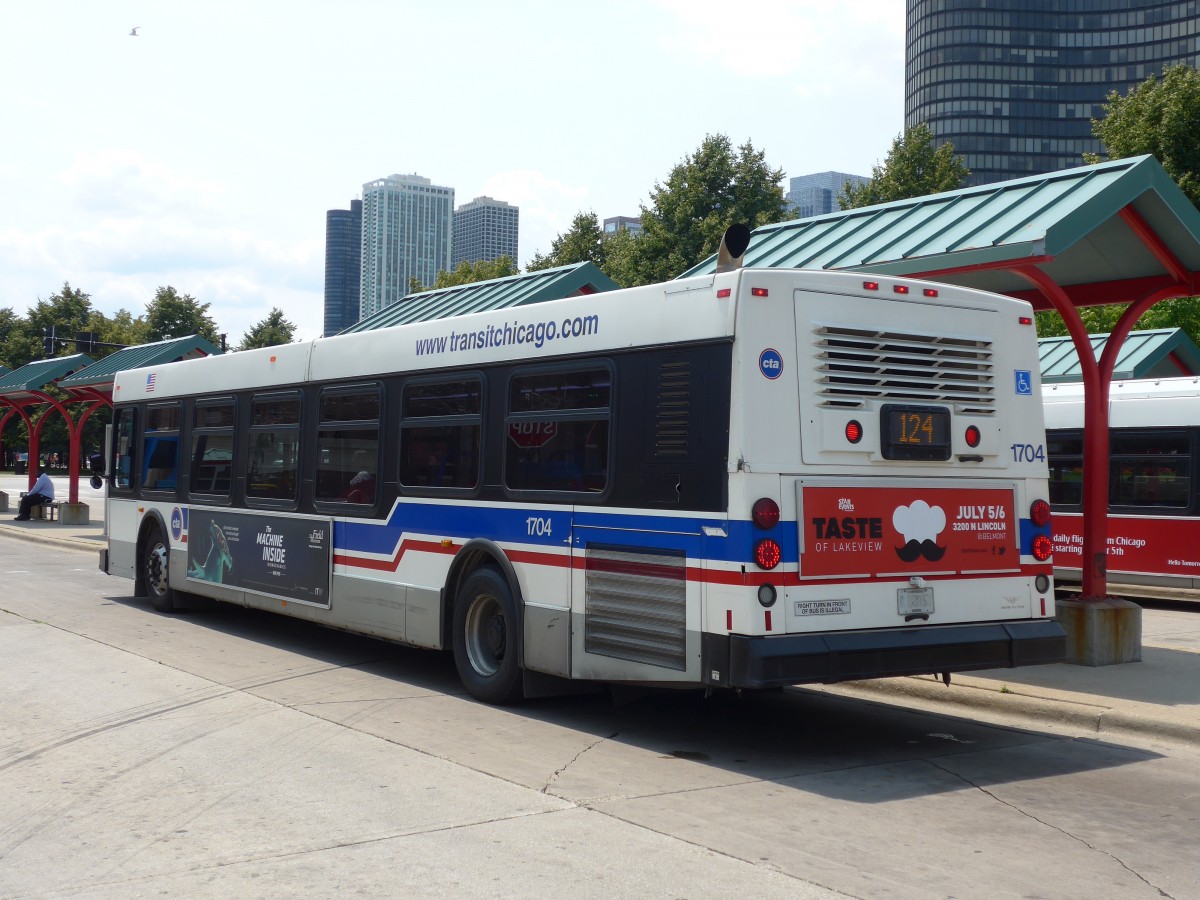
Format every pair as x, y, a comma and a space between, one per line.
1012, 703
35, 537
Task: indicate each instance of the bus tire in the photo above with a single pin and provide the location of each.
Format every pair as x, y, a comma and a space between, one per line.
155, 564
487, 637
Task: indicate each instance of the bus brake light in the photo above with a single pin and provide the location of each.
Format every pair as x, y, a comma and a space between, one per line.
1042, 548
767, 553
1039, 513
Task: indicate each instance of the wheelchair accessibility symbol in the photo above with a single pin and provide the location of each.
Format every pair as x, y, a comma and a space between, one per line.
1024, 382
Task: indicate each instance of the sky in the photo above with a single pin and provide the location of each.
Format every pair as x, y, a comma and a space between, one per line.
203, 152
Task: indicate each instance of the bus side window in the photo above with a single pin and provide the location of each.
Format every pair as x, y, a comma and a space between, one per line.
160, 448
440, 434
123, 451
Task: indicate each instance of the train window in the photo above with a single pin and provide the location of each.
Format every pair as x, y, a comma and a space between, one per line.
1150, 468
1065, 457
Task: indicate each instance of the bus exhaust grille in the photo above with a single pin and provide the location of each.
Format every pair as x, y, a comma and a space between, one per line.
634, 605
855, 365
673, 410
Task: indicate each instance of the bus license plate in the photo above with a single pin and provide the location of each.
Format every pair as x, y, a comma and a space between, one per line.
914, 601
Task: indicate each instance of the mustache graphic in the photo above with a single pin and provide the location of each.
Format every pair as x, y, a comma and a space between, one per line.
914, 550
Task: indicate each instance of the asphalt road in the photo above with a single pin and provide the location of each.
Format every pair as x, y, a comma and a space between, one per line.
227, 752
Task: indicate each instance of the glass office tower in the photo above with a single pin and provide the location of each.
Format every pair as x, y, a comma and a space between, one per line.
1014, 84
343, 257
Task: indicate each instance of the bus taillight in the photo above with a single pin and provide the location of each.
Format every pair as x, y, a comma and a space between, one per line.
765, 513
973, 436
767, 553
854, 431
1039, 513
1042, 548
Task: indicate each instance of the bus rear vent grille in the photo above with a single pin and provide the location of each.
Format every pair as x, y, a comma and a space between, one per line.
855, 365
634, 606
673, 409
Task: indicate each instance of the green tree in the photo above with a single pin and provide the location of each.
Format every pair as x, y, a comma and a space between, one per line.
172, 315
1160, 116
469, 273
582, 242
270, 332
913, 168
67, 312
706, 193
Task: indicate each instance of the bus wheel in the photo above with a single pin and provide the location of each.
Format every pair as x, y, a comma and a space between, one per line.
487, 638
156, 557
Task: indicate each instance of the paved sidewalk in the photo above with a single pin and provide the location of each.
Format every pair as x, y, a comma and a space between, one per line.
1158, 697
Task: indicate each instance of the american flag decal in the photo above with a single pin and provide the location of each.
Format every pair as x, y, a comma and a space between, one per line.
149, 382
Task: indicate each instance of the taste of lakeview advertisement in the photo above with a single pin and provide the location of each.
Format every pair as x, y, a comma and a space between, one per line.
887, 531
282, 557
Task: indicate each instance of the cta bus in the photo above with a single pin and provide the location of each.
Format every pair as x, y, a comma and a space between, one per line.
748, 479
1154, 510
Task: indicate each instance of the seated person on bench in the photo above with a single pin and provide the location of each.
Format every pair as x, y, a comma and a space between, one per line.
41, 492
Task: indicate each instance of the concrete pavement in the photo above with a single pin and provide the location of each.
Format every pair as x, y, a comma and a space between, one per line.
1157, 698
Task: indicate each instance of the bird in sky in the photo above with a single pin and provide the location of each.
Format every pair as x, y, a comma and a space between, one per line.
133, 31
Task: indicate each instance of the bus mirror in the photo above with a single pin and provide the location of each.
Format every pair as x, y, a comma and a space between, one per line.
96, 482
733, 248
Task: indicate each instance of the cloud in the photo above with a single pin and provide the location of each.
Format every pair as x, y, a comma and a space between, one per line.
115, 182
859, 42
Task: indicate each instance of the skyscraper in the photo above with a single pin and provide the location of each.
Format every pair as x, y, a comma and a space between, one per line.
816, 194
1014, 84
485, 229
343, 260
407, 223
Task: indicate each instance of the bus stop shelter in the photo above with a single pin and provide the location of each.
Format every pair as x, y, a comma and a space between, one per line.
77, 383
1116, 232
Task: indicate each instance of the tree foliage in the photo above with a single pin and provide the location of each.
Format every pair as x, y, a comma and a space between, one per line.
1160, 116
173, 315
469, 273
688, 214
582, 242
913, 168
710, 190
269, 332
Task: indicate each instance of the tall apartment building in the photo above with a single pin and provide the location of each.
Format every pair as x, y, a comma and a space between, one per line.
343, 262
485, 229
816, 194
407, 228
1014, 84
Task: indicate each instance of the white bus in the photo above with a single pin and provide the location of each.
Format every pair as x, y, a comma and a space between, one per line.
1154, 500
749, 479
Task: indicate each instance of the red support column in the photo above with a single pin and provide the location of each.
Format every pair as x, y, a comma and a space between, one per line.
1094, 564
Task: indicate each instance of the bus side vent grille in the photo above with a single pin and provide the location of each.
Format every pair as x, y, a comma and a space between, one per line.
672, 412
634, 605
855, 365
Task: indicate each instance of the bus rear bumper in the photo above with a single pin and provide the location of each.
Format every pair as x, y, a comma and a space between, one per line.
742, 661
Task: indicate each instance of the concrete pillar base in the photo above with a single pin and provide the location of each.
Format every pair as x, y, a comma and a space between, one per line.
77, 514
3, 501
1101, 632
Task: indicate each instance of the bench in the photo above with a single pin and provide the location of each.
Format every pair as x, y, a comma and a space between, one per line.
44, 511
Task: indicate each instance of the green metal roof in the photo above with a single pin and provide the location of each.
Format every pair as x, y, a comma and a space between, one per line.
99, 375
18, 385
483, 296
1159, 353
1066, 222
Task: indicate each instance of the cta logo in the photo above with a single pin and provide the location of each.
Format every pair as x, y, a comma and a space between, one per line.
770, 363
176, 523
